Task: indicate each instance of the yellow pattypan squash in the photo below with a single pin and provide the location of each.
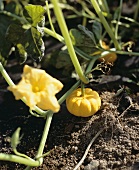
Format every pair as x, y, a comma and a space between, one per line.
83, 106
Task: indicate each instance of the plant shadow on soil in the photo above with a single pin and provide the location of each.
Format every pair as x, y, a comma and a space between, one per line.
117, 147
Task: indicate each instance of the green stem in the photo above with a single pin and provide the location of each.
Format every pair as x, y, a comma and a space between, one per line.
48, 123
82, 89
130, 19
65, 33
127, 53
74, 87
43, 140
117, 25
6, 76
9, 14
104, 6
91, 64
45, 134
50, 20
136, 11
18, 159
11, 83
61, 39
105, 23
51, 33
21, 155
86, 9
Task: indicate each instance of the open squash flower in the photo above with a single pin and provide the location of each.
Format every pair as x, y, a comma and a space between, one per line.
38, 88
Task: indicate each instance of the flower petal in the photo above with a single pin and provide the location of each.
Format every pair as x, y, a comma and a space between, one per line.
48, 103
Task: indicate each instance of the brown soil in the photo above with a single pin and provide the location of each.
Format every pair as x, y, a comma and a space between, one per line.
116, 148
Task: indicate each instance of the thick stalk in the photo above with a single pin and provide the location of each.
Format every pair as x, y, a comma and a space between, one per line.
104, 6
105, 24
61, 39
65, 33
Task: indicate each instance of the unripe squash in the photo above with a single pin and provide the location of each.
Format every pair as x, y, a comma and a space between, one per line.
83, 105
108, 58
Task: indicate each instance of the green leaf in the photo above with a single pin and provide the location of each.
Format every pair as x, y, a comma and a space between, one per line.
76, 37
30, 41
80, 39
34, 14
63, 60
5, 21
15, 140
5, 45
15, 33
34, 43
116, 13
83, 39
97, 30
87, 33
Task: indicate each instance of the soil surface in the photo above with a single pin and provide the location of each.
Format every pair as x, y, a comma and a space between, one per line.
115, 148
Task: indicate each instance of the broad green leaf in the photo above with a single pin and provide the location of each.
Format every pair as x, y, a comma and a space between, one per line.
5, 45
77, 37
87, 33
97, 30
5, 21
34, 43
34, 14
63, 60
83, 39
29, 39
15, 33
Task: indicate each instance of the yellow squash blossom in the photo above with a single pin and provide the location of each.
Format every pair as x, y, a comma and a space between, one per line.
38, 88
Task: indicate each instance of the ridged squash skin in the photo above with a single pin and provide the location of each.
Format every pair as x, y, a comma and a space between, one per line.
83, 106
